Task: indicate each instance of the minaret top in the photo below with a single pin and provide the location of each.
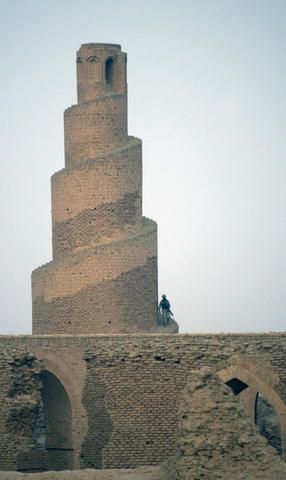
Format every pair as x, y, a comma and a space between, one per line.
100, 45
101, 70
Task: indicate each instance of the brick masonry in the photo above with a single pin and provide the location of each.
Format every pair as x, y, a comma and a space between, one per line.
123, 390
103, 277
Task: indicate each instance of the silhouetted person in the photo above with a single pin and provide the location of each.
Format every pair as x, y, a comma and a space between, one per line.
165, 310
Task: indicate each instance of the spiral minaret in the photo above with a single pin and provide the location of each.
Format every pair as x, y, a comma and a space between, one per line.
103, 276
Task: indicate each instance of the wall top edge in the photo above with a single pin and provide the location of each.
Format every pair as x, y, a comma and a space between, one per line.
147, 335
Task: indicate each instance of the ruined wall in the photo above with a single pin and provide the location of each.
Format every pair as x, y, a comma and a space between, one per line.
103, 277
215, 439
124, 389
7, 444
41, 418
205, 450
22, 414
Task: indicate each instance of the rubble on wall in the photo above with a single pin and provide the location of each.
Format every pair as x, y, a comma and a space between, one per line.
24, 396
25, 419
216, 440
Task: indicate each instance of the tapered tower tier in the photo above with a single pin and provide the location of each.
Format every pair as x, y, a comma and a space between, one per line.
109, 288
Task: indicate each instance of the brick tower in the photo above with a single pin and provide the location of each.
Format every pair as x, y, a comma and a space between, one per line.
103, 277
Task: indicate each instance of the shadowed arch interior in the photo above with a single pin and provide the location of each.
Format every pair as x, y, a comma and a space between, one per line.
236, 385
261, 412
267, 421
109, 71
58, 423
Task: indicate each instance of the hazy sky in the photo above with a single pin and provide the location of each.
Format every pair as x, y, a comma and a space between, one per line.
207, 96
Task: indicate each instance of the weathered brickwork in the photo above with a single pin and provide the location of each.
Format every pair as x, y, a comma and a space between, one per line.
95, 307
98, 289
95, 225
98, 181
124, 390
101, 69
103, 277
91, 129
22, 413
7, 445
97, 201
216, 441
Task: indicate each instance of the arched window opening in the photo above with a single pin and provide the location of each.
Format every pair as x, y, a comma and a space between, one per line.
58, 423
259, 410
92, 59
268, 422
236, 385
80, 69
109, 71
93, 67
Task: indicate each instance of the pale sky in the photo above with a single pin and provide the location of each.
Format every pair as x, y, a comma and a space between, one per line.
206, 83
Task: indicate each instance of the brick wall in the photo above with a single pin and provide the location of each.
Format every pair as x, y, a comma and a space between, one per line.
7, 443
124, 390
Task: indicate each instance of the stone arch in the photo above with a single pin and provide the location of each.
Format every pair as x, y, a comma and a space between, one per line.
58, 423
55, 366
238, 378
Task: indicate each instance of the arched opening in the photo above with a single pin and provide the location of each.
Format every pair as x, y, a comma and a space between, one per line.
80, 70
257, 408
93, 69
57, 432
109, 71
236, 385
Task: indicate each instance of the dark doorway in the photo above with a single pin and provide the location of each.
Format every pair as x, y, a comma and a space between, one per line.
58, 423
109, 71
260, 411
